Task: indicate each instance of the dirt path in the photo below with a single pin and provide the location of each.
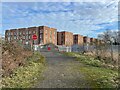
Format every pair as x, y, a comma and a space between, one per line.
60, 72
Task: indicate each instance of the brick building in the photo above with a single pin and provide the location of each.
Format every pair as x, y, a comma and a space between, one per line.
86, 39
45, 35
78, 39
65, 38
91, 40
97, 41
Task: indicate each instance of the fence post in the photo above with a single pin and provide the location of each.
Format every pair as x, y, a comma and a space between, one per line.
97, 50
111, 50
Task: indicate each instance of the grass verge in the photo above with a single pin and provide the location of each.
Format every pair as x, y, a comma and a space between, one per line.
26, 76
92, 61
96, 72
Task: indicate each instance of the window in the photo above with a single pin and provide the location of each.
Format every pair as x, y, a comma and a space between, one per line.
15, 37
41, 41
26, 32
62, 37
23, 32
8, 38
29, 37
15, 33
19, 33
23, 37
29, 32
40, 36
41, 31
61, 42
34, 32
11, 33
21, 40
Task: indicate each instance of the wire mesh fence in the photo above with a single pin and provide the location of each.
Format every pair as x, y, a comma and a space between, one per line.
100, 51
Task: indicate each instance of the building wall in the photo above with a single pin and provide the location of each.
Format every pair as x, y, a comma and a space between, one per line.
45, 35
93, 40
86, 39
68, 38
78, 39
65, 38
59, 38
50, 35
29, 32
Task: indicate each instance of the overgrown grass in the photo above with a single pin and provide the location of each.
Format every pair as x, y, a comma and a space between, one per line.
26, 76
92, 61
100, 77
96, 72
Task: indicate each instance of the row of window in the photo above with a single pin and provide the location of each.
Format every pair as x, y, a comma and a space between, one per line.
26, 32
16, 37
20, 32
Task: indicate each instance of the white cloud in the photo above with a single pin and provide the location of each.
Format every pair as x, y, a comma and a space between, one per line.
103, 1
76, 17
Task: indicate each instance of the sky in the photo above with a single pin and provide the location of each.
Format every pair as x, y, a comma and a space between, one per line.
84, 18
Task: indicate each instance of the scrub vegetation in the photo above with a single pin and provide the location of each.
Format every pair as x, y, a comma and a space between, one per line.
21, 68
97, 73
26, 76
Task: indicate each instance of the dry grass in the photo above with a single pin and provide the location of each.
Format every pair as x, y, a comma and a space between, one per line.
104, 55
13, 56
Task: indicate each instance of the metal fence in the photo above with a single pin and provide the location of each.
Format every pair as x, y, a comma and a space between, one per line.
102, 51
64, 48
82, 48
105, 51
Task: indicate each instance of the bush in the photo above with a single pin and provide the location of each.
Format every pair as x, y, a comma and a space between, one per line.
25, 76
13, 56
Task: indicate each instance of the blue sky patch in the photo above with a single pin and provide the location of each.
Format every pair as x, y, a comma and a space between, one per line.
85, 18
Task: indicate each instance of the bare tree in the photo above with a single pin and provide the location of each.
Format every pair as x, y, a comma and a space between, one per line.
108, 39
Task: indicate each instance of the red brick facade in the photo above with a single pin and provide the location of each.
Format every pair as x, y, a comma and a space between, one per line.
78, 39
45, 35
65, 38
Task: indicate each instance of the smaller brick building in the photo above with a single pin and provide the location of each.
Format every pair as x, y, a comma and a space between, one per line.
78, 39
86, 39
65, 38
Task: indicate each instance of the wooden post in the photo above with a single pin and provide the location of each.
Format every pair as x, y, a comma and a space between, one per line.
111, 51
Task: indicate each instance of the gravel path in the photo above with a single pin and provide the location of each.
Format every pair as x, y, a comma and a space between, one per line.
60, 72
